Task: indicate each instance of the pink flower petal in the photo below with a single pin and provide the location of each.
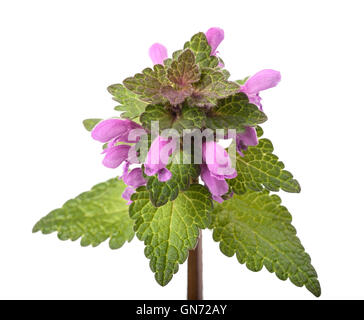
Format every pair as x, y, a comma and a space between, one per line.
158, 53
115, 156
127, 194
158, 155
124, 169
262, 80
214, 37
217, 187
164, 175
134, 178
218, 198
246, 139
217, 160
110, 129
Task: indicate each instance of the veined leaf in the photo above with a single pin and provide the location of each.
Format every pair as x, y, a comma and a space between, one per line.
149, 84
171, 230
156, 112
187, 118
213, 85
259, 131
130, 103
261, 168
202, 50
234, 112
184, 70
256, 228
182, 173
94, 216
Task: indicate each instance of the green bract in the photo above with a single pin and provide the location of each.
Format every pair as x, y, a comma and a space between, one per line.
89, 124
191, 90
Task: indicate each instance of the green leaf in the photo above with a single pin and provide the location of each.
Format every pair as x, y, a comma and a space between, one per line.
89, 124
242, 82
156, 112
200, 47
213, 85
258, 230
130, 103
94, 216
170, 231
162, 192
184, 70
187, 118
260, 167
149, 84
226, 74
234, 112
259, 131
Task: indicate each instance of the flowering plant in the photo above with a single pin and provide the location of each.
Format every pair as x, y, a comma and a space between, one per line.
176, 177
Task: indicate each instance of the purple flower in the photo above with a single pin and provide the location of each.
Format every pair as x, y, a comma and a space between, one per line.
114, 131
214, 38
246, 139
216, 186
158, 157
216, 169
262, 80
115, 156
128, 193
217, 160
158, 53
133, 179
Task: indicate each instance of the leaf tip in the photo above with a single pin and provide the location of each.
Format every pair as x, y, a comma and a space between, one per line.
315, 288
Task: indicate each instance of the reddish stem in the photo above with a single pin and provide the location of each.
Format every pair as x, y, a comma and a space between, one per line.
194, 288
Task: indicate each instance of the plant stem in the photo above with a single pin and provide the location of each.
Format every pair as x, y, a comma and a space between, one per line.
194, 287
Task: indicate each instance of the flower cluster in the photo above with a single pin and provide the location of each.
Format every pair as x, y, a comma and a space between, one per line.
121, 136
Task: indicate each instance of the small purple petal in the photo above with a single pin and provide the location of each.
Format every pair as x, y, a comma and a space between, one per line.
246, 139
216, 187
214, 37
240, 151
262, 80
158, 155
164, 175
253, 98
218, 199
217, 160
133, 155
127, 194
158, 53
115, 156
113, 129
134, 178
124, 169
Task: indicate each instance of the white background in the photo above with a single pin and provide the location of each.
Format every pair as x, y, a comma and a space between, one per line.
58, 57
